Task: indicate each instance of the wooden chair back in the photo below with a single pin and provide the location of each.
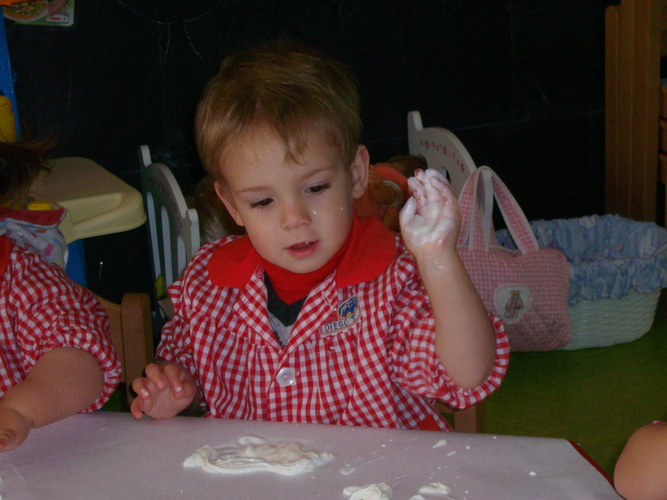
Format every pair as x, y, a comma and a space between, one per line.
132, 335
173, 227
441, 149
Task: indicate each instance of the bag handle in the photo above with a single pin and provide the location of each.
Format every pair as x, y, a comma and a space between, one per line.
469, 201
476, 217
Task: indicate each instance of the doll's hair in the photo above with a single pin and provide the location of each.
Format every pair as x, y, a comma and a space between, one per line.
20, 165
407, 164
282, 87
214, 219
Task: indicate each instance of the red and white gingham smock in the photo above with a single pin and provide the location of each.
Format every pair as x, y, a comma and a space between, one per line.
361, 351
43, 309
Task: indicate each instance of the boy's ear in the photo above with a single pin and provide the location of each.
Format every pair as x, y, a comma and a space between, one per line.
222, 193
359, 172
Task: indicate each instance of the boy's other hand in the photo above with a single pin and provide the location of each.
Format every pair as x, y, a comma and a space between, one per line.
430, 219
165, 391
14, 428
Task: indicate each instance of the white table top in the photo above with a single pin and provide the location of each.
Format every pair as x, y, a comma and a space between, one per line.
107, 455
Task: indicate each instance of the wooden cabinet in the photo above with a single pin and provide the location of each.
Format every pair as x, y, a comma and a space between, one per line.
632, 107
662, 154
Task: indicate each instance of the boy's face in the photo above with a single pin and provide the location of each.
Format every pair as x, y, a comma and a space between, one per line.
297, 215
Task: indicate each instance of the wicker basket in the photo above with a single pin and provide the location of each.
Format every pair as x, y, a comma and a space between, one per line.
618, 268
605, 322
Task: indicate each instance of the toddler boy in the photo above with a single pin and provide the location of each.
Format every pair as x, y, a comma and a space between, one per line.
315, 315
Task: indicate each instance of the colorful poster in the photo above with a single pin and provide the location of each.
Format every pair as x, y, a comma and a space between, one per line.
41, 12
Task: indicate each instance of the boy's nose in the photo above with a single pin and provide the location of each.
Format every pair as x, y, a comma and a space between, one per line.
295, 215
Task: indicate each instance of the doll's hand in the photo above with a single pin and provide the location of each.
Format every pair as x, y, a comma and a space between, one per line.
430, 219
164, 392
14, 428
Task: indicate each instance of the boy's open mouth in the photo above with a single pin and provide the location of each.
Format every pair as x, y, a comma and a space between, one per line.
302, 246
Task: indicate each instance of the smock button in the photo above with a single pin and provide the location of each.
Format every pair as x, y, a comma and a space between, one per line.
285, 377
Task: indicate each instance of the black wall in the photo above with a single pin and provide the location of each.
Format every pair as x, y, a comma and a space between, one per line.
521, 82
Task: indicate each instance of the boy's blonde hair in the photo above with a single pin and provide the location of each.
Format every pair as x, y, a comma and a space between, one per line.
282, 87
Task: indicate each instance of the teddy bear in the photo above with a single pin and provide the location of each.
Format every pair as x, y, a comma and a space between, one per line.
388, 189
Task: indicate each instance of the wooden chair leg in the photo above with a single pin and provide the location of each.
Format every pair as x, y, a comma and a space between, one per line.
472, 419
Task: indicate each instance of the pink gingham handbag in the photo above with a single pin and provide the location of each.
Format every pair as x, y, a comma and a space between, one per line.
528, 288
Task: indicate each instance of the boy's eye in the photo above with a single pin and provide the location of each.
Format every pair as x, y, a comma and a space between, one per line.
318, 189
261, 203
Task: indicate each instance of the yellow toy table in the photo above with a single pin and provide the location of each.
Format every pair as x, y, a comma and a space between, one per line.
97, 203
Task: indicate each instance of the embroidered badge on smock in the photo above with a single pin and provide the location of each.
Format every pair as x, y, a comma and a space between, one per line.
512, 302
348, 314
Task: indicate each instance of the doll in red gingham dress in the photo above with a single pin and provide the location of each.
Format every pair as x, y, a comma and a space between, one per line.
56, 358
316, 315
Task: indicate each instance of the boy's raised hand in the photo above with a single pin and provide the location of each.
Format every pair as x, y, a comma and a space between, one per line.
165, 391
430, 219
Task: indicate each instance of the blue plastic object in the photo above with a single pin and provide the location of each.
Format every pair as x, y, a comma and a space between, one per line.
7, 76
76, 263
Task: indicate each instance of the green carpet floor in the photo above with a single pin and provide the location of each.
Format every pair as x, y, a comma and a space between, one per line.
596, 397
